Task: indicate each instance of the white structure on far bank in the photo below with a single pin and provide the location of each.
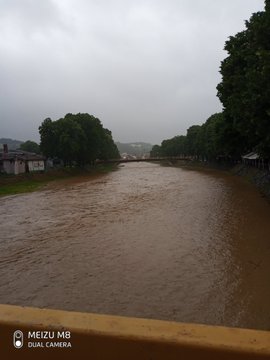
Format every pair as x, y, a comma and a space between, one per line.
19, 161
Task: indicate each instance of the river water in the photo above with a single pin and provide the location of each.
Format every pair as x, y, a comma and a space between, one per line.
145, 241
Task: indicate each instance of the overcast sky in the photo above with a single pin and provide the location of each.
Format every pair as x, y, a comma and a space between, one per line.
148, 69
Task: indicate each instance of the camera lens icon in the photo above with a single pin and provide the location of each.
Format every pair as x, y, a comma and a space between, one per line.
18, 339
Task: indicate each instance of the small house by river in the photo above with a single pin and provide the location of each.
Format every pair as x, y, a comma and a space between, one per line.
19, 161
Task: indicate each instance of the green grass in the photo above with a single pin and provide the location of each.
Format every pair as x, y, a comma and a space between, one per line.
21, 187
25, 183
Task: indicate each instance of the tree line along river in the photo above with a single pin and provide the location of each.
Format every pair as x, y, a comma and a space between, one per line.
144, 241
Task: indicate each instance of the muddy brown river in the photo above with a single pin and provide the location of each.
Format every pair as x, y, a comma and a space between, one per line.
145, 241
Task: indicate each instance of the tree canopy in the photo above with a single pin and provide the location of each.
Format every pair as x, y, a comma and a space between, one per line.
201, 141
30, 146
245, 87
77, 138
244, 124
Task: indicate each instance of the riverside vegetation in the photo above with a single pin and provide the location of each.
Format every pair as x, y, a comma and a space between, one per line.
24, 183
244, 124
78, 140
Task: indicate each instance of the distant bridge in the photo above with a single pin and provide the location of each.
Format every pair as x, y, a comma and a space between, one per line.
145, 159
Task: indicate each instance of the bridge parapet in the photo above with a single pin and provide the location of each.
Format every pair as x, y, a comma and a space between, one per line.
175, 158
113, 337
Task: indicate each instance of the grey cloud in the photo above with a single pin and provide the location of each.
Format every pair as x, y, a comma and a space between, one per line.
147, 69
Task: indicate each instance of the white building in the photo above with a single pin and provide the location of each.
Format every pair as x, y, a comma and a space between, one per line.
18, 162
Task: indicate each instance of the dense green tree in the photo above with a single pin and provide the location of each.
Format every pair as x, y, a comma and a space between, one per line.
204, 141
156, 151
108, 149
71, 140
94, 132
244, 124
245, 87
170, 147
48, 138
174, 146
79, 139
210, 141
30, 146
192, 140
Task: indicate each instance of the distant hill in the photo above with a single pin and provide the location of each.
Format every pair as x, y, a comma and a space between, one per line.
12, 144
136, 148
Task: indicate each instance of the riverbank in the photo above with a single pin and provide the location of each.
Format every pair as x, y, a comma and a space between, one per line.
258, 177
23, 183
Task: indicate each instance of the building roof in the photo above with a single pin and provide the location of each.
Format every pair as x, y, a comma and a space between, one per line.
20, 155
251, 156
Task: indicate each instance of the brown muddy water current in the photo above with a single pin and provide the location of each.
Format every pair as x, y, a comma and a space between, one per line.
145, 241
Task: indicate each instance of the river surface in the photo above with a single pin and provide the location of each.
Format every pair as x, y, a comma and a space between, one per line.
145, 241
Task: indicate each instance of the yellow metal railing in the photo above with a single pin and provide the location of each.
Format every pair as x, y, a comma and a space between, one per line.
72, 335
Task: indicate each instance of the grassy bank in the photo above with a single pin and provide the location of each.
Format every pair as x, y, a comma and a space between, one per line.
24, 183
